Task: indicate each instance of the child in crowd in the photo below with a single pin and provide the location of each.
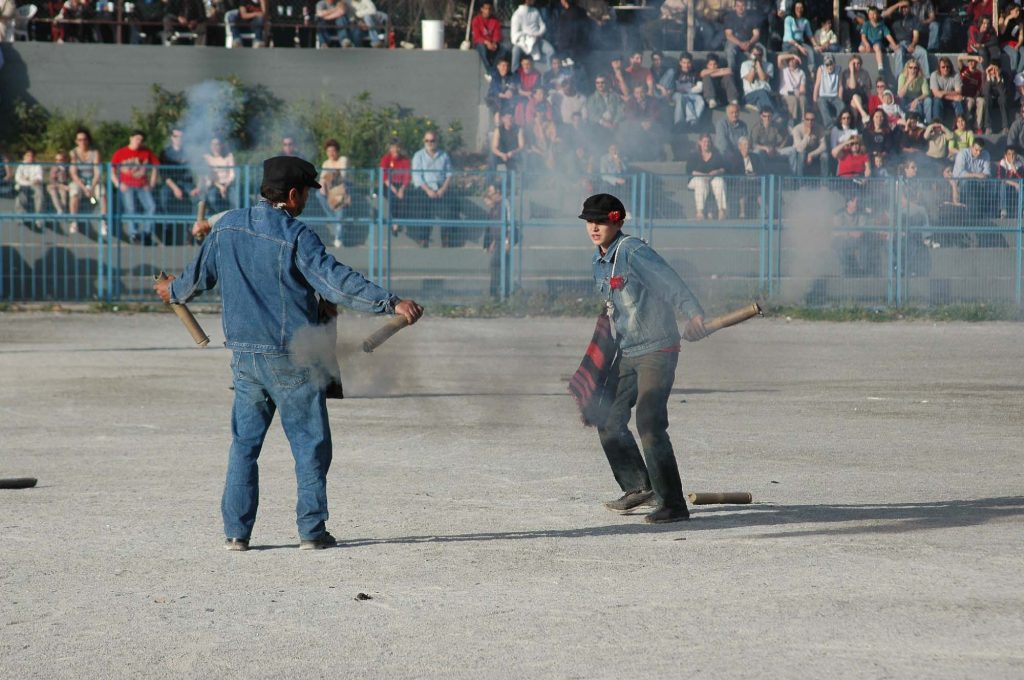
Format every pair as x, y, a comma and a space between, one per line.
28, 182
57, 186
825, 38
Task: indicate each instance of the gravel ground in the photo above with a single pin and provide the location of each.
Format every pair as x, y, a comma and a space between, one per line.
885, 540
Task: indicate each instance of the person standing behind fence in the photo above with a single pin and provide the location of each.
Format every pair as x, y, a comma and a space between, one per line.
86, 176
134, 175
220, 190
431, 177
28, 183
333, 195
57, 184
643, 294
395, 167
706, 168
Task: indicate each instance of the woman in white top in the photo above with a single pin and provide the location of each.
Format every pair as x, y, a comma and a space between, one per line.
220, 195
85, 178
792, 85
828, 91
333, 195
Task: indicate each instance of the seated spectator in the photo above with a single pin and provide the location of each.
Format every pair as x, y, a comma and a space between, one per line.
914, 196
334, 24
748, 167
538, 103
28, 183
369, 22
529, 34
891, 108
395, 173
982, 41
996, 97
860, 251
912, 90
853, 161
638, 74
1011, 36
86, 175
289, 148
486, 31
878, 137
556, 75
961, 137
333, 194
938, 137
827, 92
507, 144
220, 192
910, 136
756, 75
503, 92
875, 100
618, 79
612, 169
431, 178
658, 67
1015, 135
932, 28
906, 32
945, 86
765, 136
601, 28
792, 85
185, 16
845, 127
1011, 171
875, 36
971, 79
825, 39
742, 33
717, 83
576, 135
570, 29
728, 131
641, 132
706, 168
856, 88
570, 103
798, 38
544, 145
707, 23
683, 86
604, 108
57, 183
528, 80
808, 147
250, 14
668, 30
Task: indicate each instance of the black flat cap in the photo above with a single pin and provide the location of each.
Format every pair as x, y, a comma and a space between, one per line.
285, 172
603, 208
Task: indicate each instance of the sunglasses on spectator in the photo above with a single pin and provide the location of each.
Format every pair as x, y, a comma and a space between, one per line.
429, 140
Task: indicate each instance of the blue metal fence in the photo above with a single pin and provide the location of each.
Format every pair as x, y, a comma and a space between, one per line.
818, 241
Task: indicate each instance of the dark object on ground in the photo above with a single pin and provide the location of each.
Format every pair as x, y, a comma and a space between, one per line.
362, 596
236, 544
18, 482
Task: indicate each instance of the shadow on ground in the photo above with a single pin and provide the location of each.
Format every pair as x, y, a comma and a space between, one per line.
830, 521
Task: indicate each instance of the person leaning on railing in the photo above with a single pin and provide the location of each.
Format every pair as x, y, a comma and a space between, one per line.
706, 167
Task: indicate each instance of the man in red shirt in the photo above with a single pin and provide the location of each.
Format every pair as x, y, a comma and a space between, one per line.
395, 169
638, 74
487, 38
135, 176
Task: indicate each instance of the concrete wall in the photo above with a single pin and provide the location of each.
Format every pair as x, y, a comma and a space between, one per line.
110, 79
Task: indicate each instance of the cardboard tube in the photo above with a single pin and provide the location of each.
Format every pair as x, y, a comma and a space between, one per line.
726, 320
18, 482
377, 338
193, 327
721, 498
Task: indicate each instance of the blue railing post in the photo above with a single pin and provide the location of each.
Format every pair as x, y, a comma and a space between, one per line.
1020, 240
773, 182
504, 256
891, 260
762, 240
112, 230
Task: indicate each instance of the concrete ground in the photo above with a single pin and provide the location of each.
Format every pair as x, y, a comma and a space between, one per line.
885, 540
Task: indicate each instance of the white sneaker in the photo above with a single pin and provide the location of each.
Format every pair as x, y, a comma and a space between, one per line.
103, 230
337, 243
487, 77
73, 228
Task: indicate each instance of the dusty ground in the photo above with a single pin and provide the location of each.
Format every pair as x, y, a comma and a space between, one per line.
886, 540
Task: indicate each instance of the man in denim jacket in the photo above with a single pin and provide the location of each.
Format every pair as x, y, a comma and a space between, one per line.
270, 267
643, 295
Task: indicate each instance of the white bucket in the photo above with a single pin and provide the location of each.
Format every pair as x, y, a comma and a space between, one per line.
433, 34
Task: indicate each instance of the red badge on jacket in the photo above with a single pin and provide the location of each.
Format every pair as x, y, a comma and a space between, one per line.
616, 282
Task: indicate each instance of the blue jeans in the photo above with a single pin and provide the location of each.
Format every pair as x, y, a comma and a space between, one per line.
233, 18
687, 106
645, 382
326, 207
490, 59
919, 53
939, 105
144, 197
338, 29
761, 99
263, 384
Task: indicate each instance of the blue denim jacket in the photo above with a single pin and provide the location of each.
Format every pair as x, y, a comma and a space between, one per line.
269, 265
644, 309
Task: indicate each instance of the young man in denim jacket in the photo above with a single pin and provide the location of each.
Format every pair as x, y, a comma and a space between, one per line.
270, 268
643, 295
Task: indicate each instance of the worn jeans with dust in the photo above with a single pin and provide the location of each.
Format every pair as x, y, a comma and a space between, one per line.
265, 383
645, 382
